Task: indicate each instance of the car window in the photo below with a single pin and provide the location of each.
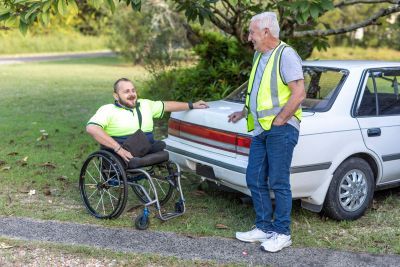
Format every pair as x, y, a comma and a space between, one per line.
321, 85
380, 96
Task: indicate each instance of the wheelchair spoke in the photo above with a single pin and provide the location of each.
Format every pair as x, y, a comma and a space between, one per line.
100, 200
159, 186
112, 203
92, 193
91, 176
111, 195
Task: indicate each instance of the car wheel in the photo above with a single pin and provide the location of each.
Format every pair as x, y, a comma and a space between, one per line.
351, 190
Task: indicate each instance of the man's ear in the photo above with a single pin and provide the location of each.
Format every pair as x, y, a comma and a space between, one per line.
115, 96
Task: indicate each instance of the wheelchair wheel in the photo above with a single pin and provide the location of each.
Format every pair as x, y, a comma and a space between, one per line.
164, 178
103, 185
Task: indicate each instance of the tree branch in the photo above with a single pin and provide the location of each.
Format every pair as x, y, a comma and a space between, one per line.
229, 8
354, 2
370, 21
219, 13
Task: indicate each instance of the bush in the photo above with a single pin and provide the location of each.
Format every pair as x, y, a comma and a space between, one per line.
222, 66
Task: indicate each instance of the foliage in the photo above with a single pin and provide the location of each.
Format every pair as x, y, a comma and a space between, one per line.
223, 65
154, 36
298, 18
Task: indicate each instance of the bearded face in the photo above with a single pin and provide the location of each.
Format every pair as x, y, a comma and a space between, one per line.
126, 94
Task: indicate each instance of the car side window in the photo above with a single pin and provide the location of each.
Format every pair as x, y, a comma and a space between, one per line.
381, 94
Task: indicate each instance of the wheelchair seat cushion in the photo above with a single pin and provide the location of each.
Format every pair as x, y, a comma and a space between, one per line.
148, 160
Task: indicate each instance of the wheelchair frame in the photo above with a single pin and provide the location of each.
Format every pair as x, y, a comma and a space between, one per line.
104, 183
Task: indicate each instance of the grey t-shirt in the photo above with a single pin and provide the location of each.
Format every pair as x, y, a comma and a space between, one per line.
291, 70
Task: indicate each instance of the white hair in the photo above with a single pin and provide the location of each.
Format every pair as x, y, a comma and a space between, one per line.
267, 20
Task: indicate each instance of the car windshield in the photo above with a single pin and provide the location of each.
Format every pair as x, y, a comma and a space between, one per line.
321, 84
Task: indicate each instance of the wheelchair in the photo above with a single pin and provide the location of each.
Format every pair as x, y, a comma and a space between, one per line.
105, 179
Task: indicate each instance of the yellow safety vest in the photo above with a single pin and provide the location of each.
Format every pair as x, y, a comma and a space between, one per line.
273, 93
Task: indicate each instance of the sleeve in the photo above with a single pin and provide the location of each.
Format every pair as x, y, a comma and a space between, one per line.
291, 66
157, 108
101, 118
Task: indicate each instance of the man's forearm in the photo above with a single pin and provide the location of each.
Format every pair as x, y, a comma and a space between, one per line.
295, 100
102, 137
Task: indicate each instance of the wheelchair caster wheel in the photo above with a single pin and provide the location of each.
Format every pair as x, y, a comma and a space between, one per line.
142, 222
179, 207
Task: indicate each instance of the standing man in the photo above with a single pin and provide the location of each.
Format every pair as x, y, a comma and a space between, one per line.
275, 92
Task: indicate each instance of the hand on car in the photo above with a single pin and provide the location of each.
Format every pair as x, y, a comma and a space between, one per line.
124, 154
200, 104
235, 116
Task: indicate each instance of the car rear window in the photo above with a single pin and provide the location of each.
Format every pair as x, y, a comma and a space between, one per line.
321, 84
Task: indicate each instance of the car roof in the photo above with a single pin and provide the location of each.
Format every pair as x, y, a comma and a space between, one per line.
349, 64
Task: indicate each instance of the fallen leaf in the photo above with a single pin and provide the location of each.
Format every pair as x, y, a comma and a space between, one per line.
6, 168
199, 193
32, 192
12, 154
62, 178
46, 192
5, 246
2, 162
48, 164
221, 226
23, 162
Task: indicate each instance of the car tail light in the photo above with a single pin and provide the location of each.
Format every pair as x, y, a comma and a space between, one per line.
227, 141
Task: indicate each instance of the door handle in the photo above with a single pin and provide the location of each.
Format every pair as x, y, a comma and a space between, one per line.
374, 132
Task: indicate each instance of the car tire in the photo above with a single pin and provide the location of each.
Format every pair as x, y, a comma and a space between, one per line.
351, 190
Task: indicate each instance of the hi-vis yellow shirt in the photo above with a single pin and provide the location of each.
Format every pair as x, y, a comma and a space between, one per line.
121, 121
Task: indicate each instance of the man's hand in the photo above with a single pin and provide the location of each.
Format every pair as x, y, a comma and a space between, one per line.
200, 104
235, 116
278, 121
126, 155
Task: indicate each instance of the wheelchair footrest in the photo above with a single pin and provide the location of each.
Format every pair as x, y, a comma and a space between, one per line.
169, 215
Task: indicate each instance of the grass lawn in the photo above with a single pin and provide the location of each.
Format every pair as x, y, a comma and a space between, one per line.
13, 42
44, 108
357, 53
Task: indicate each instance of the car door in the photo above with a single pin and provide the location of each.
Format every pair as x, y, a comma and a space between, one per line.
378, 114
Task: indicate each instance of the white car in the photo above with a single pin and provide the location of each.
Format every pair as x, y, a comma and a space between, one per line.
349, 143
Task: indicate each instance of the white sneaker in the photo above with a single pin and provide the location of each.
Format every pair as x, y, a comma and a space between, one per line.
254, 235
276, 242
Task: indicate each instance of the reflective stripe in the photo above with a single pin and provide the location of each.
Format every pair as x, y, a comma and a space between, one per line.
268, 112
295, 122
274, 79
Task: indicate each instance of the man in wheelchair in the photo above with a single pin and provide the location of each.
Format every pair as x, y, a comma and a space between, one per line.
130, 157
114, 123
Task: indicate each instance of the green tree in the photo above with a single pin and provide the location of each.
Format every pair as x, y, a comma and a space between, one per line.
299, 19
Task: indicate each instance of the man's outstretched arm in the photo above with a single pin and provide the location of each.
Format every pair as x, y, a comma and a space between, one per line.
171, 106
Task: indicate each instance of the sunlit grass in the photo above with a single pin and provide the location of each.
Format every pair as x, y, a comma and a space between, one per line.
339, 53
13, 42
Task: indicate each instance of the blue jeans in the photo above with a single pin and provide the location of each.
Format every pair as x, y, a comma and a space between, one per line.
269, 169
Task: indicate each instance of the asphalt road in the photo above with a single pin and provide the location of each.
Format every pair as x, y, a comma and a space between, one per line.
6, 60
223, 250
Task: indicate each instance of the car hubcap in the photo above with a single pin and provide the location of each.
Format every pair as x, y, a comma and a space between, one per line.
353, 190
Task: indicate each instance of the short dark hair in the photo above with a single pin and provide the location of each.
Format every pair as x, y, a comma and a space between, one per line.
118, 81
